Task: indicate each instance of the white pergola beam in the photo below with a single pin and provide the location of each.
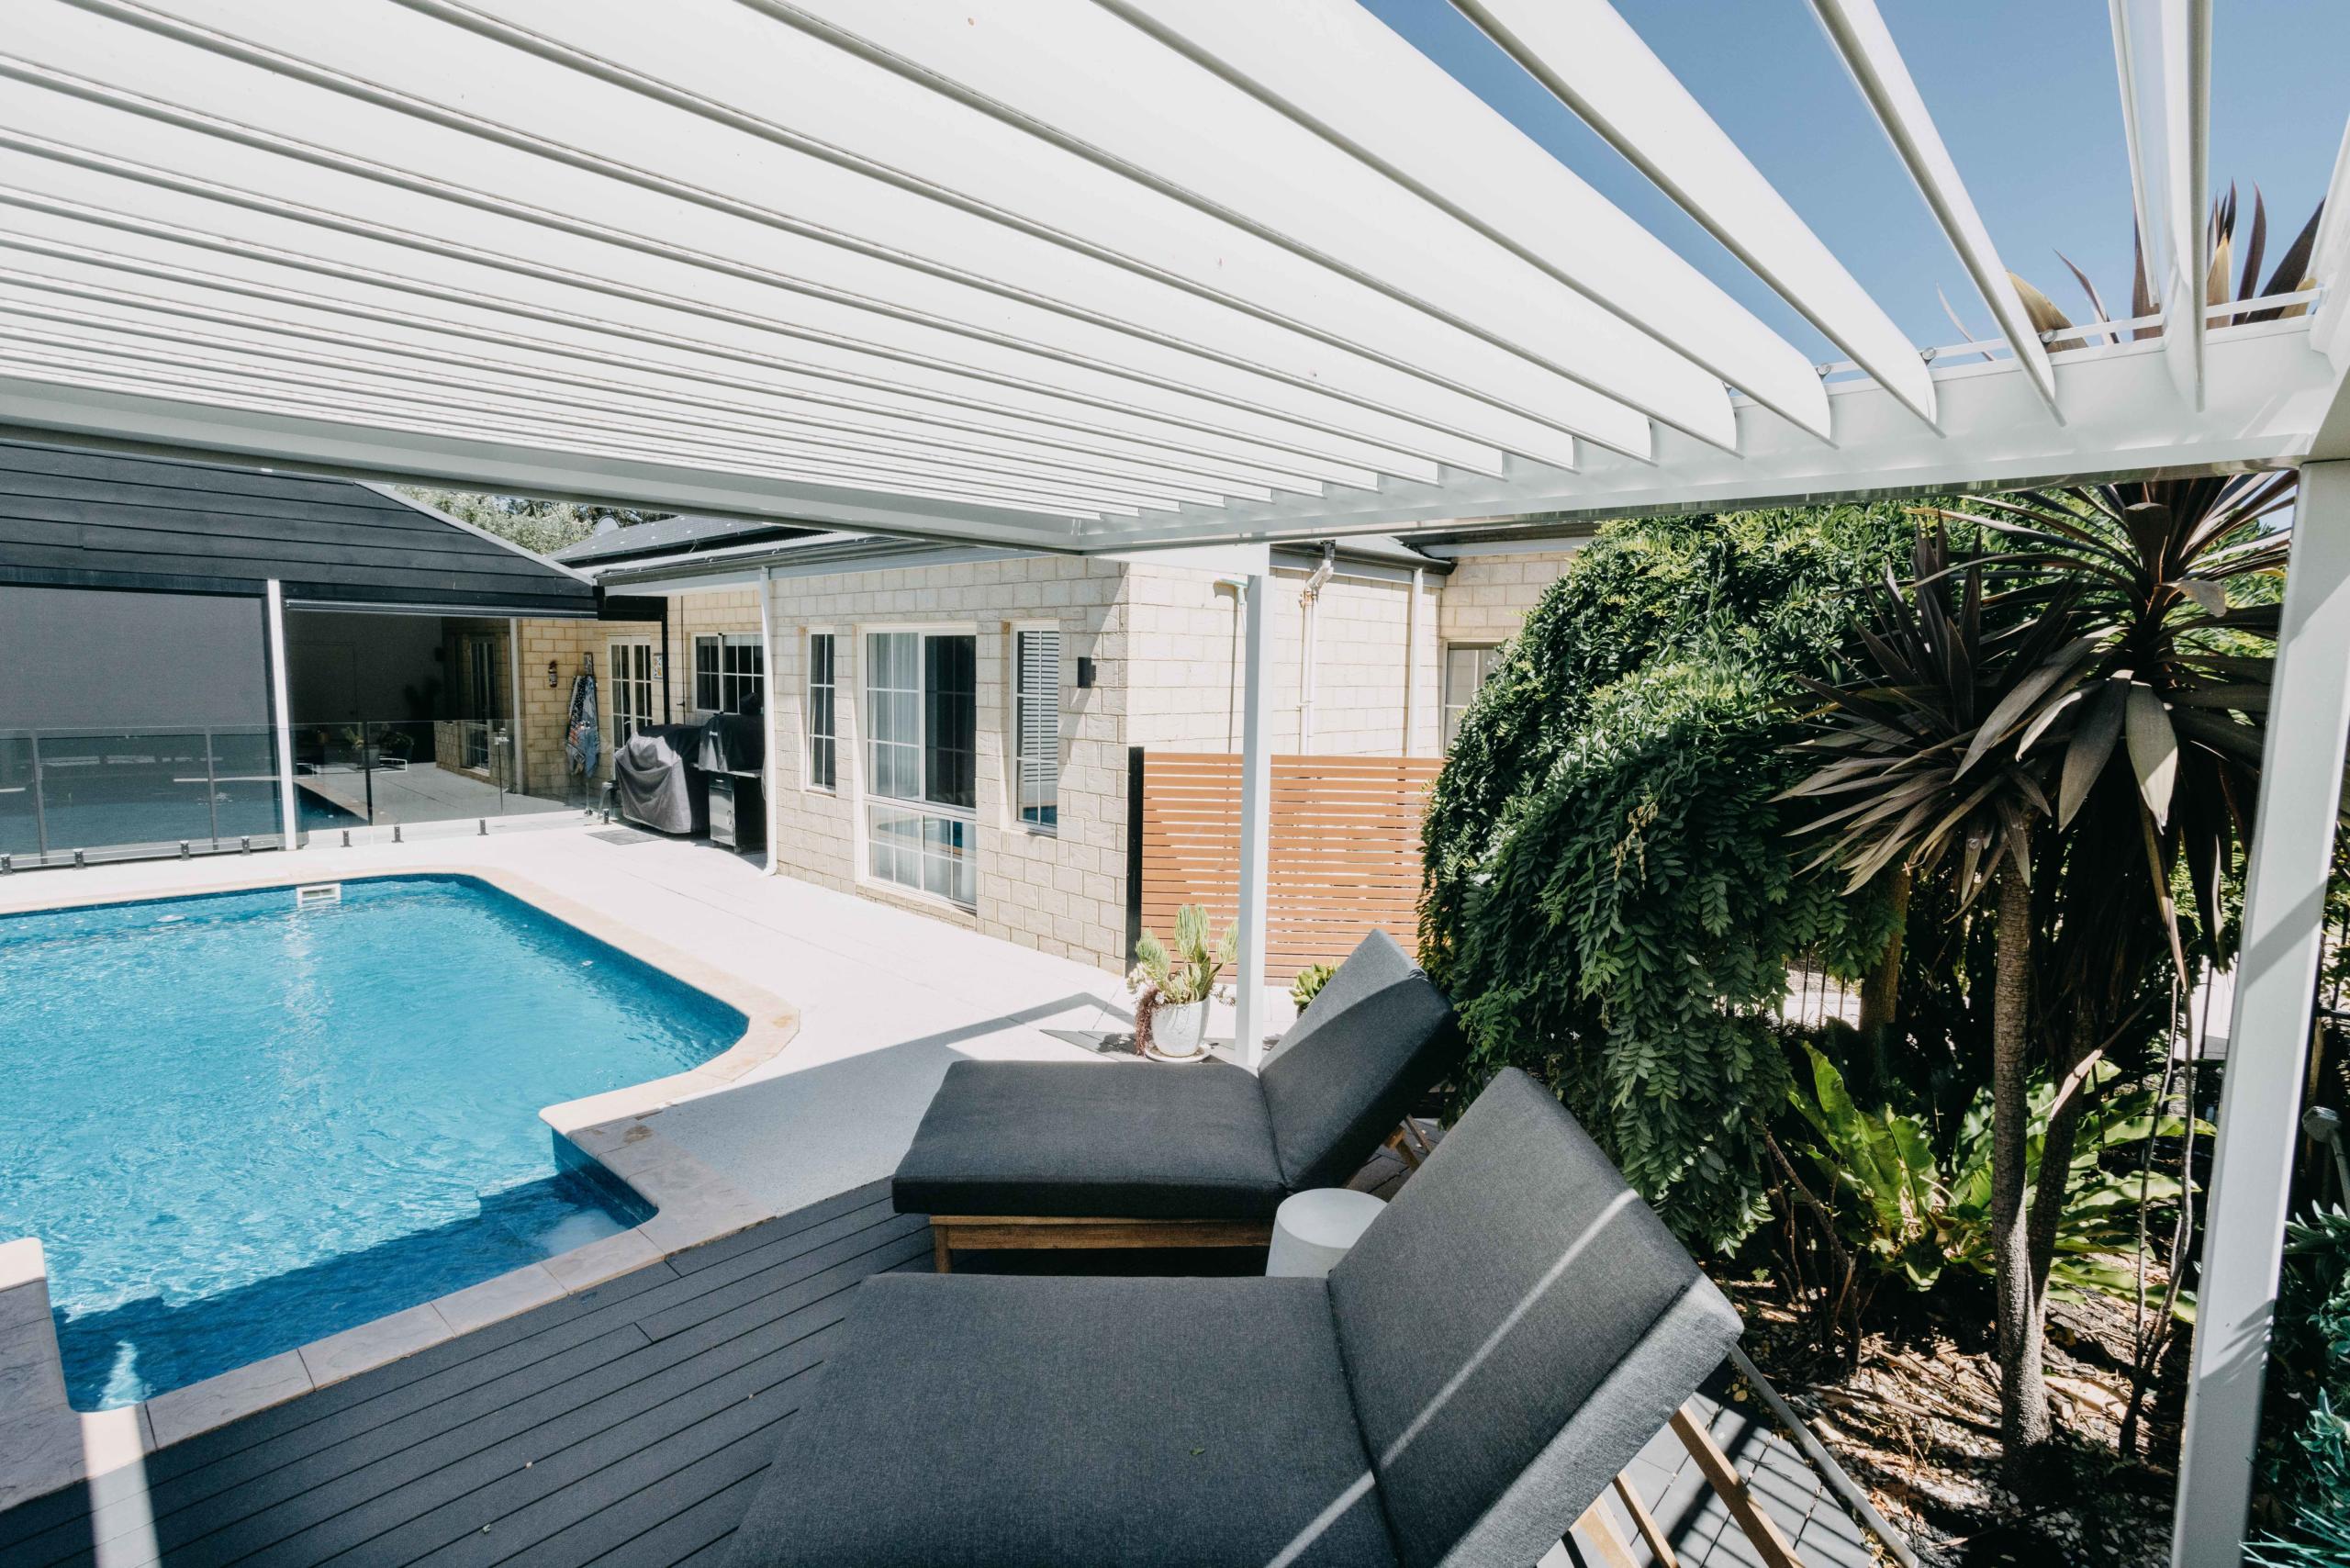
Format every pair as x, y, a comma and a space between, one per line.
2162, 50
387, 445
265, 231
577, 106
534, 389
2269, 393
1860, 35
2275, 993
1591, 60
1090, 82
120, 254
1340, 71
454, 195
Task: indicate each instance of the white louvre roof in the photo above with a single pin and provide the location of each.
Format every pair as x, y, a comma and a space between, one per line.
1086, 273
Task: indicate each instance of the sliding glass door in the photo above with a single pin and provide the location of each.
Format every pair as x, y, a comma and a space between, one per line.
922, 724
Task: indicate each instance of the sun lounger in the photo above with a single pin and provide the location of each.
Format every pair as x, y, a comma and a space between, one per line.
1141, 1154
1501, 1342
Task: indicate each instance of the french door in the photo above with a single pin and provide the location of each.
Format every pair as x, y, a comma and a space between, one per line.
631, 687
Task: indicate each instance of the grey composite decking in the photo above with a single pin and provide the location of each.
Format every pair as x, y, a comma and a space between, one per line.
627, 1427
624, 1426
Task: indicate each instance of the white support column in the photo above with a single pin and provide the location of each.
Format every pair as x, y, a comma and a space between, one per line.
521, 783
1256, 815
769, 709
288, 816
2284, 915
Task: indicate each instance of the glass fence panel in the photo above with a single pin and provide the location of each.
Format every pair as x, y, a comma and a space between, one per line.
115, 793
20, 824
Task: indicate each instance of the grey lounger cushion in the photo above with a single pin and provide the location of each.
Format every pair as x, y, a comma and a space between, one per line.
978, 1422
1373, 1040
1140, 1140
1516, 1326
1123, 1140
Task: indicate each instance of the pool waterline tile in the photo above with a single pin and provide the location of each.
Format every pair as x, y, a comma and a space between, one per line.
692, 1204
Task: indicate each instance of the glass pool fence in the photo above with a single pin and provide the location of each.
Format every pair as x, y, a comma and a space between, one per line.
82, 796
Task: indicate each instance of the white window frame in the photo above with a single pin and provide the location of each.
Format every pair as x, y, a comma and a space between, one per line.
649, 682
1022, 761
733, 685
831, 737
1449, 713
868, 800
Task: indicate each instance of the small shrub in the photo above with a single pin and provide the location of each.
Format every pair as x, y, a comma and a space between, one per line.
1309, 983
2305, 1455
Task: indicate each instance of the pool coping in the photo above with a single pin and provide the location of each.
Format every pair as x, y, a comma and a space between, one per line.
46, 1444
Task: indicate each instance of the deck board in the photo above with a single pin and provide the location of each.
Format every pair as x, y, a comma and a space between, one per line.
627, 1427
624, 1425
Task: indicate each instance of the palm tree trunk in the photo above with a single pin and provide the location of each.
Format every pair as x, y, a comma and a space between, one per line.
1881, 992
2049, 1193
2024, 1394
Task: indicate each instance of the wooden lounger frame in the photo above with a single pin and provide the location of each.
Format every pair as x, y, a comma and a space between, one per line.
1608, 1548
949, 1232
1007, 1232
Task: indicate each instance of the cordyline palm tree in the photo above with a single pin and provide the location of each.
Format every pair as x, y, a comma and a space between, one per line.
2164, 725
1929, 742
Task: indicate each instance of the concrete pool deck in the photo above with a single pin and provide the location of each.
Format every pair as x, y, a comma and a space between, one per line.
856, 1011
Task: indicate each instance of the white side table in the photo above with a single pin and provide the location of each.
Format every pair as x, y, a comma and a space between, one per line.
1313, 1229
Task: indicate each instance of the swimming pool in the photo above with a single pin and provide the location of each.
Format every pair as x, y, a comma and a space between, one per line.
237, 1127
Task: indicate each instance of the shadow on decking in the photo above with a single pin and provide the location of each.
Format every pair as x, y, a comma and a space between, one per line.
628, 1425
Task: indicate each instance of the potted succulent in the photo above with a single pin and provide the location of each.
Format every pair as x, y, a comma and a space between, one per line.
1176, 985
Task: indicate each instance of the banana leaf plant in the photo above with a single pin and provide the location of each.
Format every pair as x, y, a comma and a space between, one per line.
1914, 1215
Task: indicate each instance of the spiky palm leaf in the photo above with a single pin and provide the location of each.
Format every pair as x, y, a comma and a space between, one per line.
1922, 749
2160, 576
2290, 276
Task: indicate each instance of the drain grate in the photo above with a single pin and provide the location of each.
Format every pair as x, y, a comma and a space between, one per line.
625, 837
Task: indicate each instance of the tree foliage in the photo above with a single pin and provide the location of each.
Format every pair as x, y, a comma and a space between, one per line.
1609, 895
543, 527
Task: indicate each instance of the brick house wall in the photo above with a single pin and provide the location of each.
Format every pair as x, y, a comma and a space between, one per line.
1487, 596
1061, 892
1186, 687
545, 772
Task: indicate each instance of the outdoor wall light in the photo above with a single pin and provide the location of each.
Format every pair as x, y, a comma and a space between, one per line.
551, 674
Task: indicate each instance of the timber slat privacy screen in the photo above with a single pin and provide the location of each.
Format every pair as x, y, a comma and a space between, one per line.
1345, 849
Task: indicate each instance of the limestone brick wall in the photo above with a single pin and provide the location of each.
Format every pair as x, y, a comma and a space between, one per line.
1061, 892
719, 612
1487, 597
544, 708
1187, 689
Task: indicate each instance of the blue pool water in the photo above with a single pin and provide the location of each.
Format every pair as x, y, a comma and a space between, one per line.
237, 1127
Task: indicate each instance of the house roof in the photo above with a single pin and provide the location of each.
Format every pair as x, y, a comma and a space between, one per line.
673, 537
706, 546
71, 517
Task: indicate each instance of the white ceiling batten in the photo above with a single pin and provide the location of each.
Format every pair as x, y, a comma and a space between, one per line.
504, 210
97, 246
1339, 69
1591, 60
2161, 52
1072, 275
864, 240
1098, 87
1860, 35
287, 335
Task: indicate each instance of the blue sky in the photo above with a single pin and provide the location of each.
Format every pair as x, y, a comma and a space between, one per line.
2025, 95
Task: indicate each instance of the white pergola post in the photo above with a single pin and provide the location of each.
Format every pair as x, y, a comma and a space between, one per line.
769, 769
2284, 917
281, 719
1256, 816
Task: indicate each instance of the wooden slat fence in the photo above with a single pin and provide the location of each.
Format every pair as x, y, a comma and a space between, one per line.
1345, 848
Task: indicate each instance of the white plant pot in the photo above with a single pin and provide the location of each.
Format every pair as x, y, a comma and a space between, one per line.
1179, 1031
